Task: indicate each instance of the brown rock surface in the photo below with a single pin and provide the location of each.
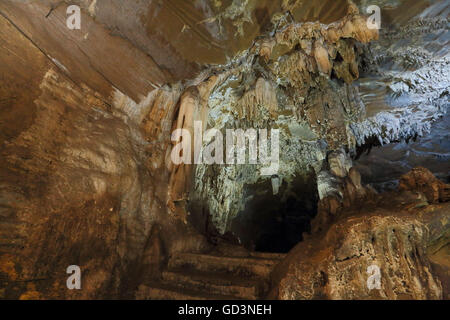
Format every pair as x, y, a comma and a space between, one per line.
86, 179
400, 241
77, 178
422, 180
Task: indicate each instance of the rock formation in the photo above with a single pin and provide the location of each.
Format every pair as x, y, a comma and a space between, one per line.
88, 122
399, 232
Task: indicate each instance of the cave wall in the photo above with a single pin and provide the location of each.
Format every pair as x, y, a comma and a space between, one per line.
299, 82
402, 233
79, 182
86, 118
336, 267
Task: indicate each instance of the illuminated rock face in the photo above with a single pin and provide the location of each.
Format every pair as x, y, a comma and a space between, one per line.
86, 118
334, 264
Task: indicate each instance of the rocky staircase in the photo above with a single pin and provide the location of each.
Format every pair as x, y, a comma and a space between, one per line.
191, 276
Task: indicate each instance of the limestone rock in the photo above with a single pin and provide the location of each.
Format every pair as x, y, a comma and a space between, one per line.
422, 180
86, 175
322, 59
335, 265
339, 163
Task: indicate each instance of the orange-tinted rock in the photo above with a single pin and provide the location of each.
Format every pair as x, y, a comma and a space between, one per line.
322, 58
266, 49
422, 180
335, 265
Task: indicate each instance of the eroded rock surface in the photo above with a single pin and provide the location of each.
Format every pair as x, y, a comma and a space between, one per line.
86, 123
286, 82
397, 232
422, 180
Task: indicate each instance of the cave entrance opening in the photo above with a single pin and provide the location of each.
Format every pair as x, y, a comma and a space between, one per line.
276, 223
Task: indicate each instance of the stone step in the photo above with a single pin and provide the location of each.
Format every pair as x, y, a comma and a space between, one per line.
222, 284
246, 267
167, 291
268, 255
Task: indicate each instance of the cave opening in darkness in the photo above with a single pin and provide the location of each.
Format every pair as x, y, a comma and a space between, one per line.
276, 223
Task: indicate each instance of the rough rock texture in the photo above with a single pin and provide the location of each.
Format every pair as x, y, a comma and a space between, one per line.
229, 276
398, 232
404, 86
339, 188
383, 165
86, 118
65, 180
78, 177
287, 82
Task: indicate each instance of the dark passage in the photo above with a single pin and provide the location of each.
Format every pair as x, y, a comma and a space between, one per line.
275, 223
